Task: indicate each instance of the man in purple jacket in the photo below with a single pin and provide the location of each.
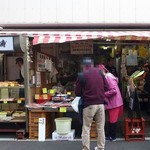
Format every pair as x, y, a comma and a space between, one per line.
92, 92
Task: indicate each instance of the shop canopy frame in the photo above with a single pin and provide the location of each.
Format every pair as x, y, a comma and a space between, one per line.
40, 37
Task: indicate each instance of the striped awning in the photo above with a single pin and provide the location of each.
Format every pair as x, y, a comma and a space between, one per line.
67, 36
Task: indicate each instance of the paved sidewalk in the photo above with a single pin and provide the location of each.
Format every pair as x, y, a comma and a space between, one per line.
71, 145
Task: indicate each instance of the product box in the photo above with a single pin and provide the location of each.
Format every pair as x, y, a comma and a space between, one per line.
69, 136
4, 93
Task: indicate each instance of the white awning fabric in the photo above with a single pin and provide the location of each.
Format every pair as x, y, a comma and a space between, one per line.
67, 36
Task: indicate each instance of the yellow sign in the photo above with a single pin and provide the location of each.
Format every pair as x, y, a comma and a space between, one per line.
68, 93
52, 91
143, 51
5, 101
44, 90
45, 96
19, 101
62, 109
37, 96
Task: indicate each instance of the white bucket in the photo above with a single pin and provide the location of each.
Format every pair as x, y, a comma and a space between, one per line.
63, 125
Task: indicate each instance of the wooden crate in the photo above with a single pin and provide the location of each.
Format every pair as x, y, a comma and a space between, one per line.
33, 123
135, 129
34, 116
33, 131
93, 132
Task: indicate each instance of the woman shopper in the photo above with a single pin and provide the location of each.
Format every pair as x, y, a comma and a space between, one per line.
114, 102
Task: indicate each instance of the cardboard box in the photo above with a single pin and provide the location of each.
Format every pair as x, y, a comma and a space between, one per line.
62, 137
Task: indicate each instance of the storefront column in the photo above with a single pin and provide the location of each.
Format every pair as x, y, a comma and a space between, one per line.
149, 53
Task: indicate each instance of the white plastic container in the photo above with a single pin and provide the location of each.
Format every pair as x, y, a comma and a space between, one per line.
63, 125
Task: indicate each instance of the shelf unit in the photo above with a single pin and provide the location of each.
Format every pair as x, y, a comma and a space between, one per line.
12, 108
33, 123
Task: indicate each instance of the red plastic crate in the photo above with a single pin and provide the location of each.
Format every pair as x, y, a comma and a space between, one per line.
135, 129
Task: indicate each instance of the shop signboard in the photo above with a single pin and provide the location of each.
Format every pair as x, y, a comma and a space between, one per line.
82, 47
41, 62
6, 44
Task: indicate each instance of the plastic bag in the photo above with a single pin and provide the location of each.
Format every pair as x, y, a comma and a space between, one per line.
75, 104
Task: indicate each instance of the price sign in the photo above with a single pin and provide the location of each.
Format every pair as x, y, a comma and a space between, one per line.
63, 109
44, 90
52, 91
37, 96
45, 96
5, 101
19, 101
68, 93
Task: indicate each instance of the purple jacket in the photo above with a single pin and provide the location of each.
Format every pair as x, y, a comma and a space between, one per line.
114, 98
93, 91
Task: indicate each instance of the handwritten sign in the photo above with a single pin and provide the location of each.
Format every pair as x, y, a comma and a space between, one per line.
41, 61
82, 47
19, 101
5, 101
44, 90
63, 109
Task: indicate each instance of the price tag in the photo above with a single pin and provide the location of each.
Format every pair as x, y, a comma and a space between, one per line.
44, 90
45, 96
19, 101
37, 96
52, 91
68, 93
5, 101
62, 109
12, 84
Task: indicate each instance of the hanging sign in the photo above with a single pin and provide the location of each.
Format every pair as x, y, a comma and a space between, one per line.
41, 62
38, 80
6, 44
82, 47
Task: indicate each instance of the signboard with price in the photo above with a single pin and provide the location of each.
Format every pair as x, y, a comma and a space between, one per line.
82, 47
41, 61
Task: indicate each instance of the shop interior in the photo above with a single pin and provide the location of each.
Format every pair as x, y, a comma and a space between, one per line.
52, 72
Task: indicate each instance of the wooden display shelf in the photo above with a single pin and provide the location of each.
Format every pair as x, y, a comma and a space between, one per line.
33, 123
10, 87
14, 120
12, 126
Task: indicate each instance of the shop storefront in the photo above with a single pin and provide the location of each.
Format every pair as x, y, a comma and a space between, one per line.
52, 60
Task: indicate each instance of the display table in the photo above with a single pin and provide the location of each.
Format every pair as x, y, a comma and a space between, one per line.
49, 114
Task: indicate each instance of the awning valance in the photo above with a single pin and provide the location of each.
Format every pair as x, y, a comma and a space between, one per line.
67, 36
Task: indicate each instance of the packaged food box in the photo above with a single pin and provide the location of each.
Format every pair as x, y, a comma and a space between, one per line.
62, 137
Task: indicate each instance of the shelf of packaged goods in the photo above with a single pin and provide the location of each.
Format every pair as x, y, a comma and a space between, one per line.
13, 121
9, 100
11, 87
12, 125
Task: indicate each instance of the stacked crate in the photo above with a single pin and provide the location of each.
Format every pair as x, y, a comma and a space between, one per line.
93, 132
33, 123
134, 129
